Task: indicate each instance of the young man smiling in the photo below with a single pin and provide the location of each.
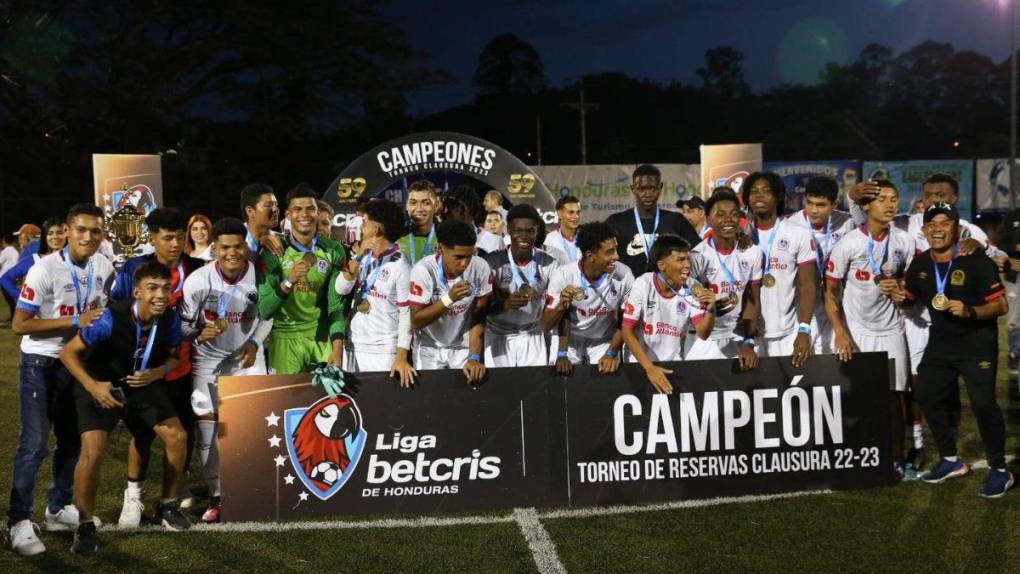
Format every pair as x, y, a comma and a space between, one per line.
562, 242
422, 204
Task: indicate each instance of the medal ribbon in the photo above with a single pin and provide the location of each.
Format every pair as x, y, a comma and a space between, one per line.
876, 268
80, 305
138, 339
822, 251
570, 247
726, 270
180, 277
221, 305
666, 283
585, 284
301, 248
424, 249
517, 277
940, 279
445, 287
768, 250
641, 229
372, 268
250, 240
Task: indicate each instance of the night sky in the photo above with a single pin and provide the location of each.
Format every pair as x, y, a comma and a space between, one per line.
782, 40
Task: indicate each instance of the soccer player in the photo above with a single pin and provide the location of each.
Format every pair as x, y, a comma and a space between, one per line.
562, 242
588, 295
422, 203
219, 311
827, 226
494, 223
659, 308
379, 334
167, 235
862, 268
261, 213
789, 276
448, 294
296, 291
637, 228
734, 276
120, 362
514, 336
63, 292
462, 204
694, 210
325, 222
964, 297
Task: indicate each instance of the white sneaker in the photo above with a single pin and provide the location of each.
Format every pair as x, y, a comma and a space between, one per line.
131, 512
65, 519
25, 540
184, 493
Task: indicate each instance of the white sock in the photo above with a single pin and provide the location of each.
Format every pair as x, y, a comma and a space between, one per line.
134, 486
918, 435
209, 454
950, 458
165, 501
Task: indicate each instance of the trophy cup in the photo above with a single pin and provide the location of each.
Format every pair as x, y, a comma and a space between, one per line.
125, 228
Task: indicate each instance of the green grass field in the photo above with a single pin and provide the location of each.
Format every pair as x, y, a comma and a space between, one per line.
914, 526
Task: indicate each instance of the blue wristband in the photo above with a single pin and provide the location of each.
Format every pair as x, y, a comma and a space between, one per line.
747, 341
806, 329
254, 342
475, 357
562, 355
74, 321
611, 354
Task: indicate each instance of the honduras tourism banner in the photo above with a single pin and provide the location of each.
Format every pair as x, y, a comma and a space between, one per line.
527, 437
386, 166
605, 189
796, 174
728, 165
909, 176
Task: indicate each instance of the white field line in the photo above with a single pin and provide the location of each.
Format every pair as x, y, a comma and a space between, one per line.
543, 550
677, 505
984, 463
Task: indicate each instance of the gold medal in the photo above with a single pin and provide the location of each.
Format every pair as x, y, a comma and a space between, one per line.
940, 302
364, 306
526, 291
579, 295
732, 298
222, 324
768, 280
309, 258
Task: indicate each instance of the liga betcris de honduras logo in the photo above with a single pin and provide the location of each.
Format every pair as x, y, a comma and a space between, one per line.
325, 442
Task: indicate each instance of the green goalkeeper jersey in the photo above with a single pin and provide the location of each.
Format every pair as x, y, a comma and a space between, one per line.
313, 308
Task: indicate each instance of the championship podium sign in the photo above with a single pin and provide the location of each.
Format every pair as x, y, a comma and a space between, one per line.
527, 437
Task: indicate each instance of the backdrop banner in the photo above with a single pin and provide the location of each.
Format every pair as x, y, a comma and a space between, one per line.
120, 180
796, 174
728, 165
385, 167
992, 190
605, 189
527, 437
909, 176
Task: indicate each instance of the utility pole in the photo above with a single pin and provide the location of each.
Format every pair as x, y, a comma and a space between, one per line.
1012, 104
582, 108
538, 139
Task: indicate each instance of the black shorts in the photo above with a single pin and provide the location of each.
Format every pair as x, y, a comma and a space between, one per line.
144, 409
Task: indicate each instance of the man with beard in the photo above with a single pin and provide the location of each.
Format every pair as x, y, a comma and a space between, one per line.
561, 243
421, 207
514, 336
587, 295
636, 229
296, 292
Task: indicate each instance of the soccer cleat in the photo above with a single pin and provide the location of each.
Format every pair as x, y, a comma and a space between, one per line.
64, 519
944, 470
131, 512
212, 514
999, 481
170, 516
25, 539
85, 540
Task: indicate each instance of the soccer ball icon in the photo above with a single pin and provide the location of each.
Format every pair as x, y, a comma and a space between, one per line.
326, 472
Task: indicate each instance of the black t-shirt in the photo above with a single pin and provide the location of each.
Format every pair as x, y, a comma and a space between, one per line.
973, 279
628, 240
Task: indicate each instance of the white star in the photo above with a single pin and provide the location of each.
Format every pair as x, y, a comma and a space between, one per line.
303, 496
289, 479
279, 460
274, 441
272, 420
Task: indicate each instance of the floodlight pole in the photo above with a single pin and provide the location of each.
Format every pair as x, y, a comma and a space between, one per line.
1012, 104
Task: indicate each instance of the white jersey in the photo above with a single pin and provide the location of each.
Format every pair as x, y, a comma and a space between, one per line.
840, 223
867, 310
564, 251
787, 247
715, 270
487, 241
451, 329
49, 293
207, 294
537, 273
379, 329
594, 318
659, 319
8, 258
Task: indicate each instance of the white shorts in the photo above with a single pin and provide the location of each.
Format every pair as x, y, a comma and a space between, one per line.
824, 336
368, 362
698, 349
917, 340
515, 350
778, 347
204, 372
580, 351
432, 359
895, 344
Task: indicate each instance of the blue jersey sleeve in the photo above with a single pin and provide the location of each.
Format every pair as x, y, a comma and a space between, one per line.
9, 280
98, 331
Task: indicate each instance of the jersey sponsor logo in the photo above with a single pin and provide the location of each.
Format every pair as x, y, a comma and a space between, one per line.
862, 275
630, 309
649, 329
27, 293
830, 266
985, 365
922, 275
415, 289
957, 277
325, 441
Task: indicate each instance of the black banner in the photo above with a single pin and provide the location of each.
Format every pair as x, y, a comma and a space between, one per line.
527, 437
